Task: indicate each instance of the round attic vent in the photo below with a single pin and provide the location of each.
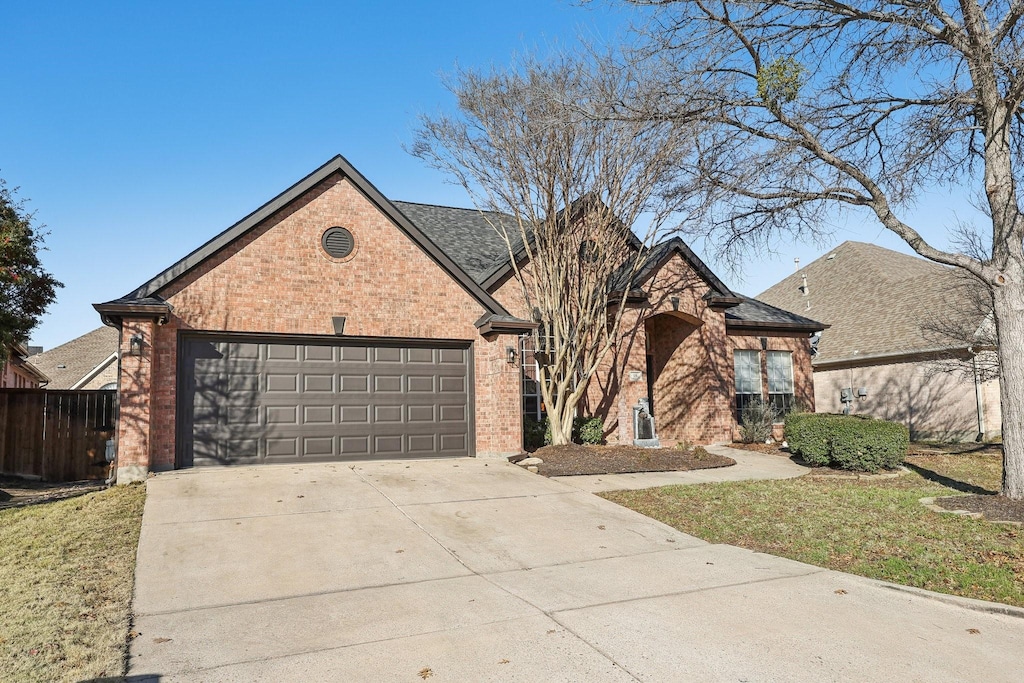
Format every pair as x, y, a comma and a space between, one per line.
337, 242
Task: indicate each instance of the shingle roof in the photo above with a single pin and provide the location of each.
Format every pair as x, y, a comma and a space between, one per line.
465, 235
877, 302
79, 357
753, 313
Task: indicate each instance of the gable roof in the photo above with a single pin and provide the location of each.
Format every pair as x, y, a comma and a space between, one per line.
660, 254
81, 358
877, 302
149, 291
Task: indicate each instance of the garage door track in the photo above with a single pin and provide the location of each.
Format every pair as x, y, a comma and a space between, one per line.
475, 570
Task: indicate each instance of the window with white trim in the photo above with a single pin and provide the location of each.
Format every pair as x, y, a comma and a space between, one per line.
748, 378
779, 365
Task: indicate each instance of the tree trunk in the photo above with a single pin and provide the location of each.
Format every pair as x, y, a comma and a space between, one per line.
1009, 316
561, 425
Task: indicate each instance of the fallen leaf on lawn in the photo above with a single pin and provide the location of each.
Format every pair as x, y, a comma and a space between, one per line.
973, 631
132, 635
425, 673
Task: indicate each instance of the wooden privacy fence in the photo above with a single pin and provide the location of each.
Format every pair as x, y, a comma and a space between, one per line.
56, 435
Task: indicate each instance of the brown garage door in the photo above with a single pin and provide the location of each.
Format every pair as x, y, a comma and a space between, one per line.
253, 400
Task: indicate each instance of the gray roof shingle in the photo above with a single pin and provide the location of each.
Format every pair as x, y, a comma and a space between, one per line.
877, 302
79, 357
465, 235
751, 310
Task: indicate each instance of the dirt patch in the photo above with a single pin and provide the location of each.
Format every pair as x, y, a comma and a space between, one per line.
16, 492
575, 459
994, 508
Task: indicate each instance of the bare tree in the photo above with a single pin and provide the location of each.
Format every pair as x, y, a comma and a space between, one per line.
862, 104
564, 185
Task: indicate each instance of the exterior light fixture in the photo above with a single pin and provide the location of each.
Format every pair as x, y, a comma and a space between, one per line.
135, 345
510, 355
675, 303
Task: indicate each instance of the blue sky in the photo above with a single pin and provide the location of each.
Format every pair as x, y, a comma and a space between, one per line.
140, 130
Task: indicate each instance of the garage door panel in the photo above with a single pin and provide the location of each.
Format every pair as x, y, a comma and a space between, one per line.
272, 401
314, 354
317, 383
355, 383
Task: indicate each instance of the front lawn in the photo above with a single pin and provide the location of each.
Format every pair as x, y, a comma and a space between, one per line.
872, 527
66, 586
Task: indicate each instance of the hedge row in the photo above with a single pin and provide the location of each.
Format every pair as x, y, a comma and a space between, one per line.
848, 442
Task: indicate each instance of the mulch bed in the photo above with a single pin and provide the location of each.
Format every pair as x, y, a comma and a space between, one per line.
576, 459
16, 492
994, 508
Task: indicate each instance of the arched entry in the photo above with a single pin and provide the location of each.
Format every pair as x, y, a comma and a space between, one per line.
680, 376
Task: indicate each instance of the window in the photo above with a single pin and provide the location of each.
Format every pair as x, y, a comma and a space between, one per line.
532, 404
748, 379
780, 380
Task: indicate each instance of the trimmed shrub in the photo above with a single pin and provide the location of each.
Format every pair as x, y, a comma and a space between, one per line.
756, 421
850, 442
588, 430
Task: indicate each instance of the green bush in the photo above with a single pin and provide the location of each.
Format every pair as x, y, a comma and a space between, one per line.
588, 430
536, 433
756, 421
849, 442
584, 430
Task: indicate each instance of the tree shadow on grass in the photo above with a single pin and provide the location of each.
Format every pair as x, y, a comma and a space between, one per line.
943, 480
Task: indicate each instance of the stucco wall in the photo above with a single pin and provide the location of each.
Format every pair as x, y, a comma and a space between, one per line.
932, 404
277, 279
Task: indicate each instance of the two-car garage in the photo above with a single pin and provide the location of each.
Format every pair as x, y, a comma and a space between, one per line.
262, 399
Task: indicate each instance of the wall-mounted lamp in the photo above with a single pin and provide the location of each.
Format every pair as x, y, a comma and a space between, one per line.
510, 355
135, 345
675, 302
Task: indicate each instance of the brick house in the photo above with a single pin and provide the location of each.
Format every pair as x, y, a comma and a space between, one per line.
86, 362
332, 323
17, 373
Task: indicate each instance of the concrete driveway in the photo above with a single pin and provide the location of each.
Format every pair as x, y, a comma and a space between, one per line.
476, 570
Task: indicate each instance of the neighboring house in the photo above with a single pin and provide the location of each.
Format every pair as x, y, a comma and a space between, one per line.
886, 312
87, 362
332, 323
16, 373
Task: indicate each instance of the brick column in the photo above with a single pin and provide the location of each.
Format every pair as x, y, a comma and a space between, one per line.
499, 403
135, 395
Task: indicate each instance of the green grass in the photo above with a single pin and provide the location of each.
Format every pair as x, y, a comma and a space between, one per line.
875, 528
66, 586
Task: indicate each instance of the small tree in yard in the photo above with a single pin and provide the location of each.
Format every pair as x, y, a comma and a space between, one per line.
815, 104
536, 145
25, 288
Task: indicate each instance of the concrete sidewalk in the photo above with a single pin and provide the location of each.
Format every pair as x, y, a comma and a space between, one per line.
749, 465
475, 570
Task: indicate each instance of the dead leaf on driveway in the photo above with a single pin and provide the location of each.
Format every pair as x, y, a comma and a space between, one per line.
973, 631
425, 673
161, 640
839, 591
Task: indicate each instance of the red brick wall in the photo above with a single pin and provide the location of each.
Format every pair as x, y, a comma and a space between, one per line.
278, 279
135, 401
803, 379
692, 362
